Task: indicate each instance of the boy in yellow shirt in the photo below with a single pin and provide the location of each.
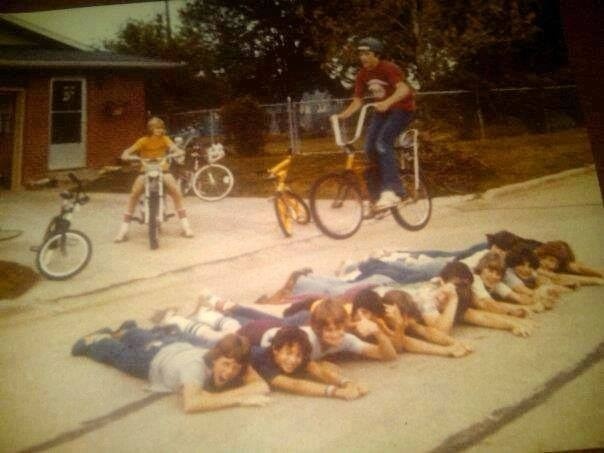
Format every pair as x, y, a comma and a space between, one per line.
152, 146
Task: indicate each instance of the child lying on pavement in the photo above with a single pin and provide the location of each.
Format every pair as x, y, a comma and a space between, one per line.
489, 290
172, 363
558, 263
521, 275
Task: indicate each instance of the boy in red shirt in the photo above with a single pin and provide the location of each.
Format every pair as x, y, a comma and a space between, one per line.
394, 105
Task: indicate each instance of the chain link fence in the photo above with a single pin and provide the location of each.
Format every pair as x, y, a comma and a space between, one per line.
441, 115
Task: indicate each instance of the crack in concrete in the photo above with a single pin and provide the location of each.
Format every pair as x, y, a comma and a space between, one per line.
457, 442
473, 434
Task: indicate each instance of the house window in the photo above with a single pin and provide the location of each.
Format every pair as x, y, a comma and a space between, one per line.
66, 111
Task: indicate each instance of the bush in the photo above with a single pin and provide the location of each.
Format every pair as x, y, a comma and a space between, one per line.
245, 126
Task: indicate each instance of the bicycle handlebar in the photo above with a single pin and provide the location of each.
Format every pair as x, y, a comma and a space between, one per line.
335, 125
143, 160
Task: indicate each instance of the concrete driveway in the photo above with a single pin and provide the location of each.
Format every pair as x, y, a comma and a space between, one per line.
510, 395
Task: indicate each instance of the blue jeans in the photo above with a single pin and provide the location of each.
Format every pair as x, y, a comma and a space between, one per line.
135, 350
404, 272
246, 314
333, 286
383, 173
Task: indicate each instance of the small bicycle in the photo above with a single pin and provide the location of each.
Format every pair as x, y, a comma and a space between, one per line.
211, 182
336, 199
152, 210
289, 206
64, 252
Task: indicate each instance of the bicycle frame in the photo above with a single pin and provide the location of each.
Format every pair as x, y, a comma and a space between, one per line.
409, 136
280, 172
154, 183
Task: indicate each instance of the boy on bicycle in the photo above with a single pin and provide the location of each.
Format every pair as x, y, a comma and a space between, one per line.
154, 145
394, 105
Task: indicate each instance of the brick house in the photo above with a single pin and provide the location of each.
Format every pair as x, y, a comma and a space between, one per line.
64, 106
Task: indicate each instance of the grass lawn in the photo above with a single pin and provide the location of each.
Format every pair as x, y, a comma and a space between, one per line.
449, 167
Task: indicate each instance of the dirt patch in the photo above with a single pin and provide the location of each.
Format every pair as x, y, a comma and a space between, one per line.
16, 279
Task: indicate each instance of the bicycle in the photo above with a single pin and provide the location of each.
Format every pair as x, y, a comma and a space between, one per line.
336, 199
211, 182
289, 206
64, 252
152, 210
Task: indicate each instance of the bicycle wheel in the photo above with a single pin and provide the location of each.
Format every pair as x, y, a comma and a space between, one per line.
283, 213
298, 209
414, 212
336, 205
63, 255
213, 182
153, 220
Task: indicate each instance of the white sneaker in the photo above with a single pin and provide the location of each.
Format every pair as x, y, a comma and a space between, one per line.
186, 228
208, 299
122, 234
388, 199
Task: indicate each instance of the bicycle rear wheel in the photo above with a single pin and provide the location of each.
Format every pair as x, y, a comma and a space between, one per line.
336, 205
414, 212
213, 182
63, 255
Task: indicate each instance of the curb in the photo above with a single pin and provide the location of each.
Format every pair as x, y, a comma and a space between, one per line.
500, 191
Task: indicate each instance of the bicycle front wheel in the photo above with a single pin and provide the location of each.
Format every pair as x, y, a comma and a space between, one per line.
63, 255
283, 214
336, 205
414, 212
153, 220
213, 182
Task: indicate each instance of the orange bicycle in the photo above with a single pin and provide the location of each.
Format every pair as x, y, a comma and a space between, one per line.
289, 206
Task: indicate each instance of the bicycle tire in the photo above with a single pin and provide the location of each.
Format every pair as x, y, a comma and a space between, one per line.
213, 182
282, 211
299, 210
414, 212
58, 250
153, 220
336, 205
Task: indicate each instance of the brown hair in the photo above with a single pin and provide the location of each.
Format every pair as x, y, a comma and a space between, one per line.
404, 302
290, 335
232, 346
559, 250
490, 260
326, 311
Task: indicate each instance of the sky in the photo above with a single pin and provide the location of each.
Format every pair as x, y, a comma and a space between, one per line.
93, 25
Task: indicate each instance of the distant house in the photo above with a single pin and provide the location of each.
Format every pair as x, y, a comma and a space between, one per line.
64, 106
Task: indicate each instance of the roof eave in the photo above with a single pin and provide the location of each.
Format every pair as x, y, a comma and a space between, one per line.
88, 64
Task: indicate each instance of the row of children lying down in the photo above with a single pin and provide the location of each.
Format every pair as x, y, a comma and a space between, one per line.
217, 354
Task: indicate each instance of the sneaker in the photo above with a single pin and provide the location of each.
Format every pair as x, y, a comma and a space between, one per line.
122, 234
187, 232
208, 299
81, 346
388, 199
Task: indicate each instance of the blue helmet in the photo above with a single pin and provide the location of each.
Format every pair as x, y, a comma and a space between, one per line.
372, 44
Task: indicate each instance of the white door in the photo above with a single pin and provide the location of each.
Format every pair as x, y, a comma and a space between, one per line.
67, 124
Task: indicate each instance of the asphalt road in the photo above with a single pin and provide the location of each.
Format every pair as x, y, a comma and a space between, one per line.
542, 393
